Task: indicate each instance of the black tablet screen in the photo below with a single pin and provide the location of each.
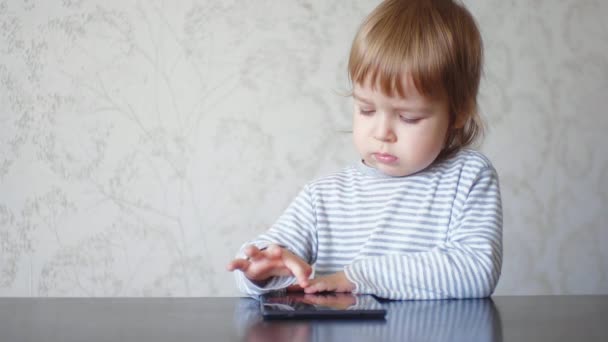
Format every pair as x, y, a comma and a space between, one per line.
324, 305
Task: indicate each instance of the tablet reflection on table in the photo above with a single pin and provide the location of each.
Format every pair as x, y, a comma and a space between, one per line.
292, 332
437, 320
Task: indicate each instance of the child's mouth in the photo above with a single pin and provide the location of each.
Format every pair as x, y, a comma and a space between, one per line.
385, 158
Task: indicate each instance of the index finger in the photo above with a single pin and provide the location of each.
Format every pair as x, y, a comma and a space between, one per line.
300, 269
238, 264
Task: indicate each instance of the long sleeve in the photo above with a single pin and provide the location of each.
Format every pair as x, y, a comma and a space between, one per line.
294, 230
466, 265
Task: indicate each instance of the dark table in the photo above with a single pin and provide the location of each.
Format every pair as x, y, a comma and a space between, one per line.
534, 318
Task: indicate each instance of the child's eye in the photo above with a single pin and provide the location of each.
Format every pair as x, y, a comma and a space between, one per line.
366, 112
409, 120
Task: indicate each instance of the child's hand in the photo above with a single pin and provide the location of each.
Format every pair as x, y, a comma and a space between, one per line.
336, 282
274, 261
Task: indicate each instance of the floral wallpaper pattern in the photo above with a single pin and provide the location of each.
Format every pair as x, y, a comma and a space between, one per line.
142, 142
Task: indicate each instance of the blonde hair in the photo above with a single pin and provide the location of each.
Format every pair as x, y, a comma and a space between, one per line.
438, 44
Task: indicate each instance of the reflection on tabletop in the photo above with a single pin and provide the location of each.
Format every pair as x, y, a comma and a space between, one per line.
439, 320
339, 301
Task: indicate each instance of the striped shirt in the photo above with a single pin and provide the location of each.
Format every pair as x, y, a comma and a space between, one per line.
435, 234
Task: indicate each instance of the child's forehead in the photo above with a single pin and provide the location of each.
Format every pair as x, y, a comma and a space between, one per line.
370, 87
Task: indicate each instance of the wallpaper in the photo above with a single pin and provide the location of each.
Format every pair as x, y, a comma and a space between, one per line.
142, 142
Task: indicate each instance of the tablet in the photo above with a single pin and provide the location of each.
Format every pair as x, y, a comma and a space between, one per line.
329, 305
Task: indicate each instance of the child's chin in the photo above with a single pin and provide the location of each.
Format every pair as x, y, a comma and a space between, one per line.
391, 170
399, 174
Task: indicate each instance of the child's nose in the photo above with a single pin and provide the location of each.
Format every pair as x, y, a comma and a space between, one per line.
384, 129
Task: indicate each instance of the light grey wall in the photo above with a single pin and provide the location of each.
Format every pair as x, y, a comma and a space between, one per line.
141, 142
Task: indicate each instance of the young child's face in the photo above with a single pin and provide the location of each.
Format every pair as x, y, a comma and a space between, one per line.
398, 136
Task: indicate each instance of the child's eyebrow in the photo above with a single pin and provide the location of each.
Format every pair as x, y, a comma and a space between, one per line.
422, 110
359, 98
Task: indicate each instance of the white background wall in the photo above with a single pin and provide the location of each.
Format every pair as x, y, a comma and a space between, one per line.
142, 142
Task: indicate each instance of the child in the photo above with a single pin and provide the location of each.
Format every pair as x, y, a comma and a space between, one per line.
419, 216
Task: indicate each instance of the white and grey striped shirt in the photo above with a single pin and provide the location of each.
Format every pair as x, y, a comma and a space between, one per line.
431, 235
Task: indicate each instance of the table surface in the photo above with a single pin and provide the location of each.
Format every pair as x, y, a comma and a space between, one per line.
516, 318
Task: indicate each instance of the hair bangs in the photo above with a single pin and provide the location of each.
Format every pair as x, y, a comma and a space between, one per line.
388, 52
